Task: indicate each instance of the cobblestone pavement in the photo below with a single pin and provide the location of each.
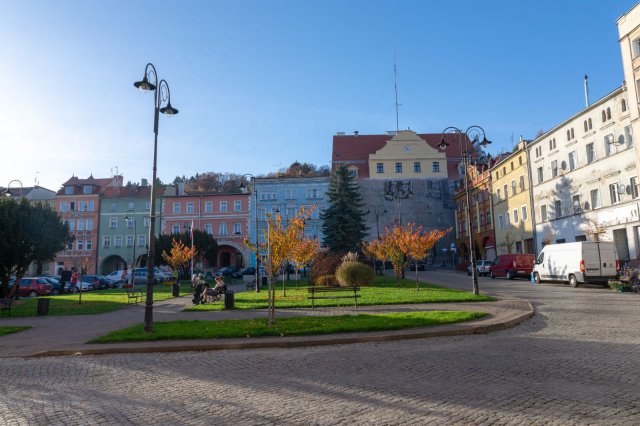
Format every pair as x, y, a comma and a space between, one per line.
575, 362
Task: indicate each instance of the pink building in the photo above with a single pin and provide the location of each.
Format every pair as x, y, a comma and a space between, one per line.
225, 216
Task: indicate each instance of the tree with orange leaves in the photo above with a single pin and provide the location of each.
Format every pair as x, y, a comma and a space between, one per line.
419, 243
179, 255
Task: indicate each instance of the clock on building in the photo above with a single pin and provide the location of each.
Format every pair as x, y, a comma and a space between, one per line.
407, 149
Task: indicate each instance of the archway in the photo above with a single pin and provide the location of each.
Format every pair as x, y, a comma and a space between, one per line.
113, 263
229, 255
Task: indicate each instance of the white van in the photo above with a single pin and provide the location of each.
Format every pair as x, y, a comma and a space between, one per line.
576, 263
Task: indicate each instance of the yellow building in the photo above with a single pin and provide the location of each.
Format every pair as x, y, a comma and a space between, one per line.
512, 213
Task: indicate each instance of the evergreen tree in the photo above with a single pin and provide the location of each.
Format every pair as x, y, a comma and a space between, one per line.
343, 224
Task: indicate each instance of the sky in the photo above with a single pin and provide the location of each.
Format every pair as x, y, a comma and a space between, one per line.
260, 84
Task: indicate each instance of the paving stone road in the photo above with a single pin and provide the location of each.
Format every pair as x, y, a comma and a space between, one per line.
577, 361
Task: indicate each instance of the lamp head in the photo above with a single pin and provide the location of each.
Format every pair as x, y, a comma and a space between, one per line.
485, 141
169, 110
443, 144
144, 85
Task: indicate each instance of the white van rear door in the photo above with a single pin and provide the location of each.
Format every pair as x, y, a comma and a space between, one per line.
591, 257
608, 259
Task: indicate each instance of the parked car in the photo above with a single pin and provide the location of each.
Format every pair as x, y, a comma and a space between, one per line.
99, 282
158, 275
412, 265
140, 277
33, 287
85, 286
511, 266
119, 277
57, 287
249, 270
576, 263
226, 271
482, 267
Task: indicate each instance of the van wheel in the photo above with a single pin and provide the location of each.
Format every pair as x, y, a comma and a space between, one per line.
536, 278
509, 275
573, 282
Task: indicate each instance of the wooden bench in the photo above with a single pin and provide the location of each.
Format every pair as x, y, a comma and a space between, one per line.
133, 296
5, 305
321, 293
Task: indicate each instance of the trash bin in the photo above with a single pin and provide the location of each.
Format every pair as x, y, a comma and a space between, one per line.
43, 307
176, 290
229, 299
264, 281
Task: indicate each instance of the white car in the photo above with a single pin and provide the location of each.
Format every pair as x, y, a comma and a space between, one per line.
482, 266
85, 286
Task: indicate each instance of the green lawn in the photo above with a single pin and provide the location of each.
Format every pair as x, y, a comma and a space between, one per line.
383, 291
291, 326
9, 330
93, 302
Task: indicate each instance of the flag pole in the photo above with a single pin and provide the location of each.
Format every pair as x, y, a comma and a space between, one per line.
191, 246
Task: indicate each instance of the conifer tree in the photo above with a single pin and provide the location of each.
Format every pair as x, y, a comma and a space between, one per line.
343, 225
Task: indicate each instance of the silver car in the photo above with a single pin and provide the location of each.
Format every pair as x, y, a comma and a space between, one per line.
482, 266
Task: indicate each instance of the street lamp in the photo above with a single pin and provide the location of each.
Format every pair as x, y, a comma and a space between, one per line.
190, 228
7, 191
377, 211
161, 95
135, 238
244, 190
473, 134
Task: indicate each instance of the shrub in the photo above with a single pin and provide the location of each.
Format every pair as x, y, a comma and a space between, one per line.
326, 280
619, 285
324, 263
354, 274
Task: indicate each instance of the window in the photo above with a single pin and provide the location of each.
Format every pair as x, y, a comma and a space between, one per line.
190, 207
568, 135
506, 192
498, 194
604, 116
379, 168
590, 124
513, 187
525, 214
573, 135
521, 183
237, 206
634, 187
131, 206
628, 135
575, 202
175, 229
586, 128
591, 153
608, 113
512, 166
117, 241
540, 175
147, 222
130, 241
80, 225
82, 206
148, 205
573, 160
595, 198
416, 167
538, 151
237, 229
208, 206
500, 221
208, 228
353, 172
515, 216
481, 218
222, 229
543, 213
613, 193
176, 208
557, 205
89, 224
63, 207
71, 223
223, 206
88, 245
623, 105
398, 167
554, 168
262, 214
86, 189
80, 245
106, 241
488, 219
507, 220
609, 147
290, 194
504, 170
68, 190
552, 144
314, 193
114, 207
72, 205
142, 240
435, 167
113, 222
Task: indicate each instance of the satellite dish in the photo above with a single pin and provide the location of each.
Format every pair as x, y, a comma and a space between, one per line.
621, 188
628, 189
563, 165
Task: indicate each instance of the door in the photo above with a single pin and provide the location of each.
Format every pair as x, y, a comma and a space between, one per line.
608, 259
622, 244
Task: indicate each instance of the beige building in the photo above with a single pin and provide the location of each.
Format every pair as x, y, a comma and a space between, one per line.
629, 32
511, 194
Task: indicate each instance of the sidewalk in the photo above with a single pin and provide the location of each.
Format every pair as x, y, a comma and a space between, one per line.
67, 335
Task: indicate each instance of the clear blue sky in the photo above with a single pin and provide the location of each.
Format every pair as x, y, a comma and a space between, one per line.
260, 84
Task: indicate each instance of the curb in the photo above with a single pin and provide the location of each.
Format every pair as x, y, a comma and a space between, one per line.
457, 329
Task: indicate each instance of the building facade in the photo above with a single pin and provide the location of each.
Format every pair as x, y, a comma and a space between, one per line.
585, 182
629, 32
511, 195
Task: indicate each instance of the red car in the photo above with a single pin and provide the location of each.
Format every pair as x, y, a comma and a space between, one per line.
33, 287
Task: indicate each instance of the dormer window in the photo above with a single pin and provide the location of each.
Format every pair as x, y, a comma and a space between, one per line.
68, 190
86, 189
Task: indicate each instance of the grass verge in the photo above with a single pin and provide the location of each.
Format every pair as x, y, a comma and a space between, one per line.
9, 330
93, 302
290, 326
383, 291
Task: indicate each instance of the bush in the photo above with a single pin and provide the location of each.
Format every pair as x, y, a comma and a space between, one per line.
326, 281
324, 263
355, 274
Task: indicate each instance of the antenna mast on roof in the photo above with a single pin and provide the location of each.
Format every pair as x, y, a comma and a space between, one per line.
586, 90
395, 84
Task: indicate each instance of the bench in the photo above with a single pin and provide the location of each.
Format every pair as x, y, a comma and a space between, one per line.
133, 296
321, 293
5, 305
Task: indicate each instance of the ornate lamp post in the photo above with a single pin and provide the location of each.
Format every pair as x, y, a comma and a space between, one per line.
244, 189
161, 95
472, 137
135, 237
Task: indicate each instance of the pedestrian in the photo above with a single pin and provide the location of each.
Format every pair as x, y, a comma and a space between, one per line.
74, 279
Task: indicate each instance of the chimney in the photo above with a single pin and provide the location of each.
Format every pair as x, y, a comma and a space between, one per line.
143, 182
180, 188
